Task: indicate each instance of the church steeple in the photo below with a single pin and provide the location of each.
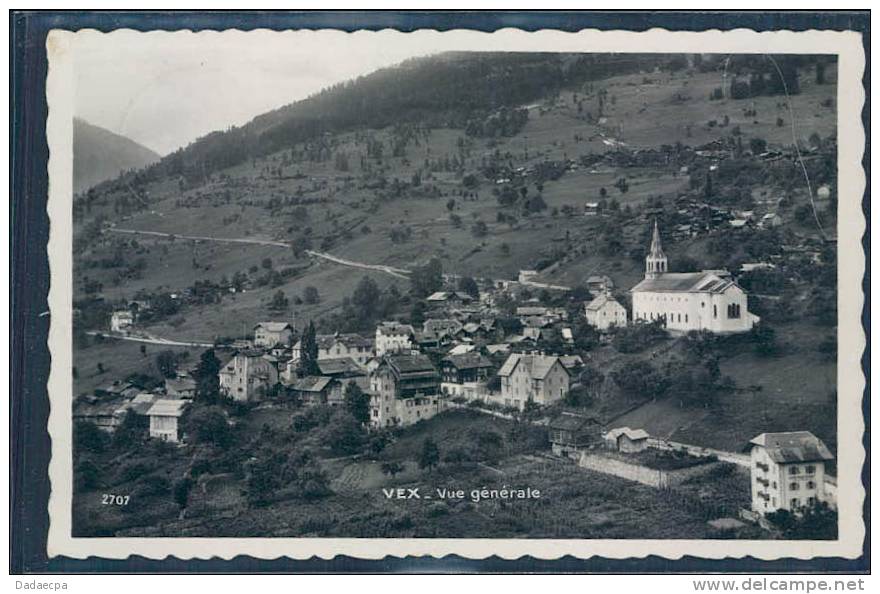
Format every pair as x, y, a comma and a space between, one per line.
655, 262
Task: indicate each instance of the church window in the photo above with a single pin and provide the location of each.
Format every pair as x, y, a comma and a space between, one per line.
685, 318
714, 311
733, 311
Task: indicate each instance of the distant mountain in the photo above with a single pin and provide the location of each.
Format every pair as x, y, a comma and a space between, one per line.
99, 155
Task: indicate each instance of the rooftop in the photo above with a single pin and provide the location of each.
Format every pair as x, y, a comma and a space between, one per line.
707, 281
537, 366
792, 447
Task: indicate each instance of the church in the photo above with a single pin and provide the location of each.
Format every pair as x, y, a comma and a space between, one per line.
683, 301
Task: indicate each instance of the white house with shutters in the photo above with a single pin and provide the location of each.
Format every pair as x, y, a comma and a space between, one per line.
605, 312
787, 471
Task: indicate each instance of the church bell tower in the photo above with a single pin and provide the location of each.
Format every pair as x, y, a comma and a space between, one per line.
655, 261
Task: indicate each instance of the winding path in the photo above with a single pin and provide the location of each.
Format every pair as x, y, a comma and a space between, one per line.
151, 339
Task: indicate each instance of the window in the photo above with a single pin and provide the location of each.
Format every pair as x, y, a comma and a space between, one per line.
811, 500
811, 469
793, 486
811, 485
714, 311
733, 311
794, 470
795, 502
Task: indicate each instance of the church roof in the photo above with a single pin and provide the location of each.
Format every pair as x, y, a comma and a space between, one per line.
600, 302
684, 282
656, 247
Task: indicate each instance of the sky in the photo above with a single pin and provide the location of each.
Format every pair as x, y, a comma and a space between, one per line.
166, 89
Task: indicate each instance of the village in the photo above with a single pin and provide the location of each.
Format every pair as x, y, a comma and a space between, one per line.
468, 355
618, 291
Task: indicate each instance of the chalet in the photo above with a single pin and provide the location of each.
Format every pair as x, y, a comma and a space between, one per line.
571, 432
269, 334
599, 284
404, 390
316, 389
771, 220
344, 370
605, 312
121, 321
102, 412
394, 337
466, 368
541, 379
140, 406
449, 298
180, 387
164, 419
626, 440
248, 376
571, 362
591, 209
787, 471
527, 276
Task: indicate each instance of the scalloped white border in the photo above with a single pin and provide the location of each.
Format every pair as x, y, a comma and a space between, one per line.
851, 337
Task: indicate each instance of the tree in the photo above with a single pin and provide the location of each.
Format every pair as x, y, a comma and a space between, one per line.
366, 297
87, 437
279, 301
430, 455
427, 279
129, 431
344, 434
180, 491
357, 402
311, 295
468, 285
207, 378
88, 474
392, 469
166, 363
640, 378
308, 353
209, 425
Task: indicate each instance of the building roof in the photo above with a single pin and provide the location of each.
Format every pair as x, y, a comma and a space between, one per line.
274, 326
707, 281
601, 301
351, 340
410, 363
571, 361
472, 360
312, 383
461, 349
394, 328
167, 407
568, 421
537, 366
344, 366
792, 447
183, 384
441, 326
531, 311
140, 404
632, 434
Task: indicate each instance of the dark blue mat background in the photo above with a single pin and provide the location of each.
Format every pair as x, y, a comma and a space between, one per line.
30, 448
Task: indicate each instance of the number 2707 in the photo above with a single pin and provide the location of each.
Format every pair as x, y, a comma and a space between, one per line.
109, 499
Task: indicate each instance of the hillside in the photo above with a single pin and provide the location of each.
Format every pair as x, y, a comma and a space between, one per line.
100, 155
485, 162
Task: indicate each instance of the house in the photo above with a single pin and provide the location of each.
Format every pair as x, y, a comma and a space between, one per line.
338, 346
269, 334
316, 389
180, 387
344, 370
599, 284
140, 406
449, 298
605, 312
591, 209
570, 432
248, 376
571, 362
626, 440
770, 220
527, 276
541, 379
102, 412
404, 390
121, 321
683, 301
465, 368
164, 419
394, 337
787, 471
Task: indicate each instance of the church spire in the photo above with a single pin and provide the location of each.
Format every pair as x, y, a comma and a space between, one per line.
655, 263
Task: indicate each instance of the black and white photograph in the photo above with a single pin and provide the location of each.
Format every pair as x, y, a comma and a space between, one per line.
379, 286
